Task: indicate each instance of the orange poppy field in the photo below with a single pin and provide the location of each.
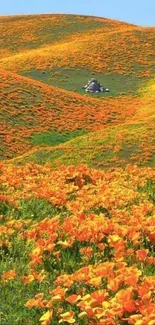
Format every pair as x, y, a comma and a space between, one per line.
77, 177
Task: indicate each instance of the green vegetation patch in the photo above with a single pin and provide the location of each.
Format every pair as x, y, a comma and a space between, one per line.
98, 149
54, 138
75, 79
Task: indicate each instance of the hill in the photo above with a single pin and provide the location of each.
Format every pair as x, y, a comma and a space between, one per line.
130, 142
31, 112
112, 147
23, 33
76, 242
65, 50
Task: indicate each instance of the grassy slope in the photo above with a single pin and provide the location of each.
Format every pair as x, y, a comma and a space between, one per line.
29, 107
131, 142
99, 149
32, 113
64, 51
118, 49
23, 33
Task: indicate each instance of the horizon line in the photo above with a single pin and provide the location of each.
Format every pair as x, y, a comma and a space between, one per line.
72, 14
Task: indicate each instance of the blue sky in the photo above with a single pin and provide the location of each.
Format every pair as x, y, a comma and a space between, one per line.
140, 12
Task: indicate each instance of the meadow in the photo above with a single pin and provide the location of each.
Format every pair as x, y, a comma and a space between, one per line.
77, 177
77, 245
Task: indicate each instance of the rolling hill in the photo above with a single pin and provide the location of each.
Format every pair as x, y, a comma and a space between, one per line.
65, 50
22, 33
130, 142
42, 73
30, 109
76, 172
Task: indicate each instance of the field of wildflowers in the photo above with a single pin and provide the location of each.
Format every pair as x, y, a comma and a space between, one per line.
28, 32
29, 107
109, 47
77, 177
77, 245
123, 127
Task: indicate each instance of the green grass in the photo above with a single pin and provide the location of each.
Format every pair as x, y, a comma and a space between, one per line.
12, 309
36, 209
75, 79
54, 138
97, 149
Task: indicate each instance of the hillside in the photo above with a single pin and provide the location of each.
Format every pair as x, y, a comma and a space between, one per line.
23, 33
57, 53
130, 143
113, 147
65, 50
77, 178
103, 52
103, 45
123, 127
30, 107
